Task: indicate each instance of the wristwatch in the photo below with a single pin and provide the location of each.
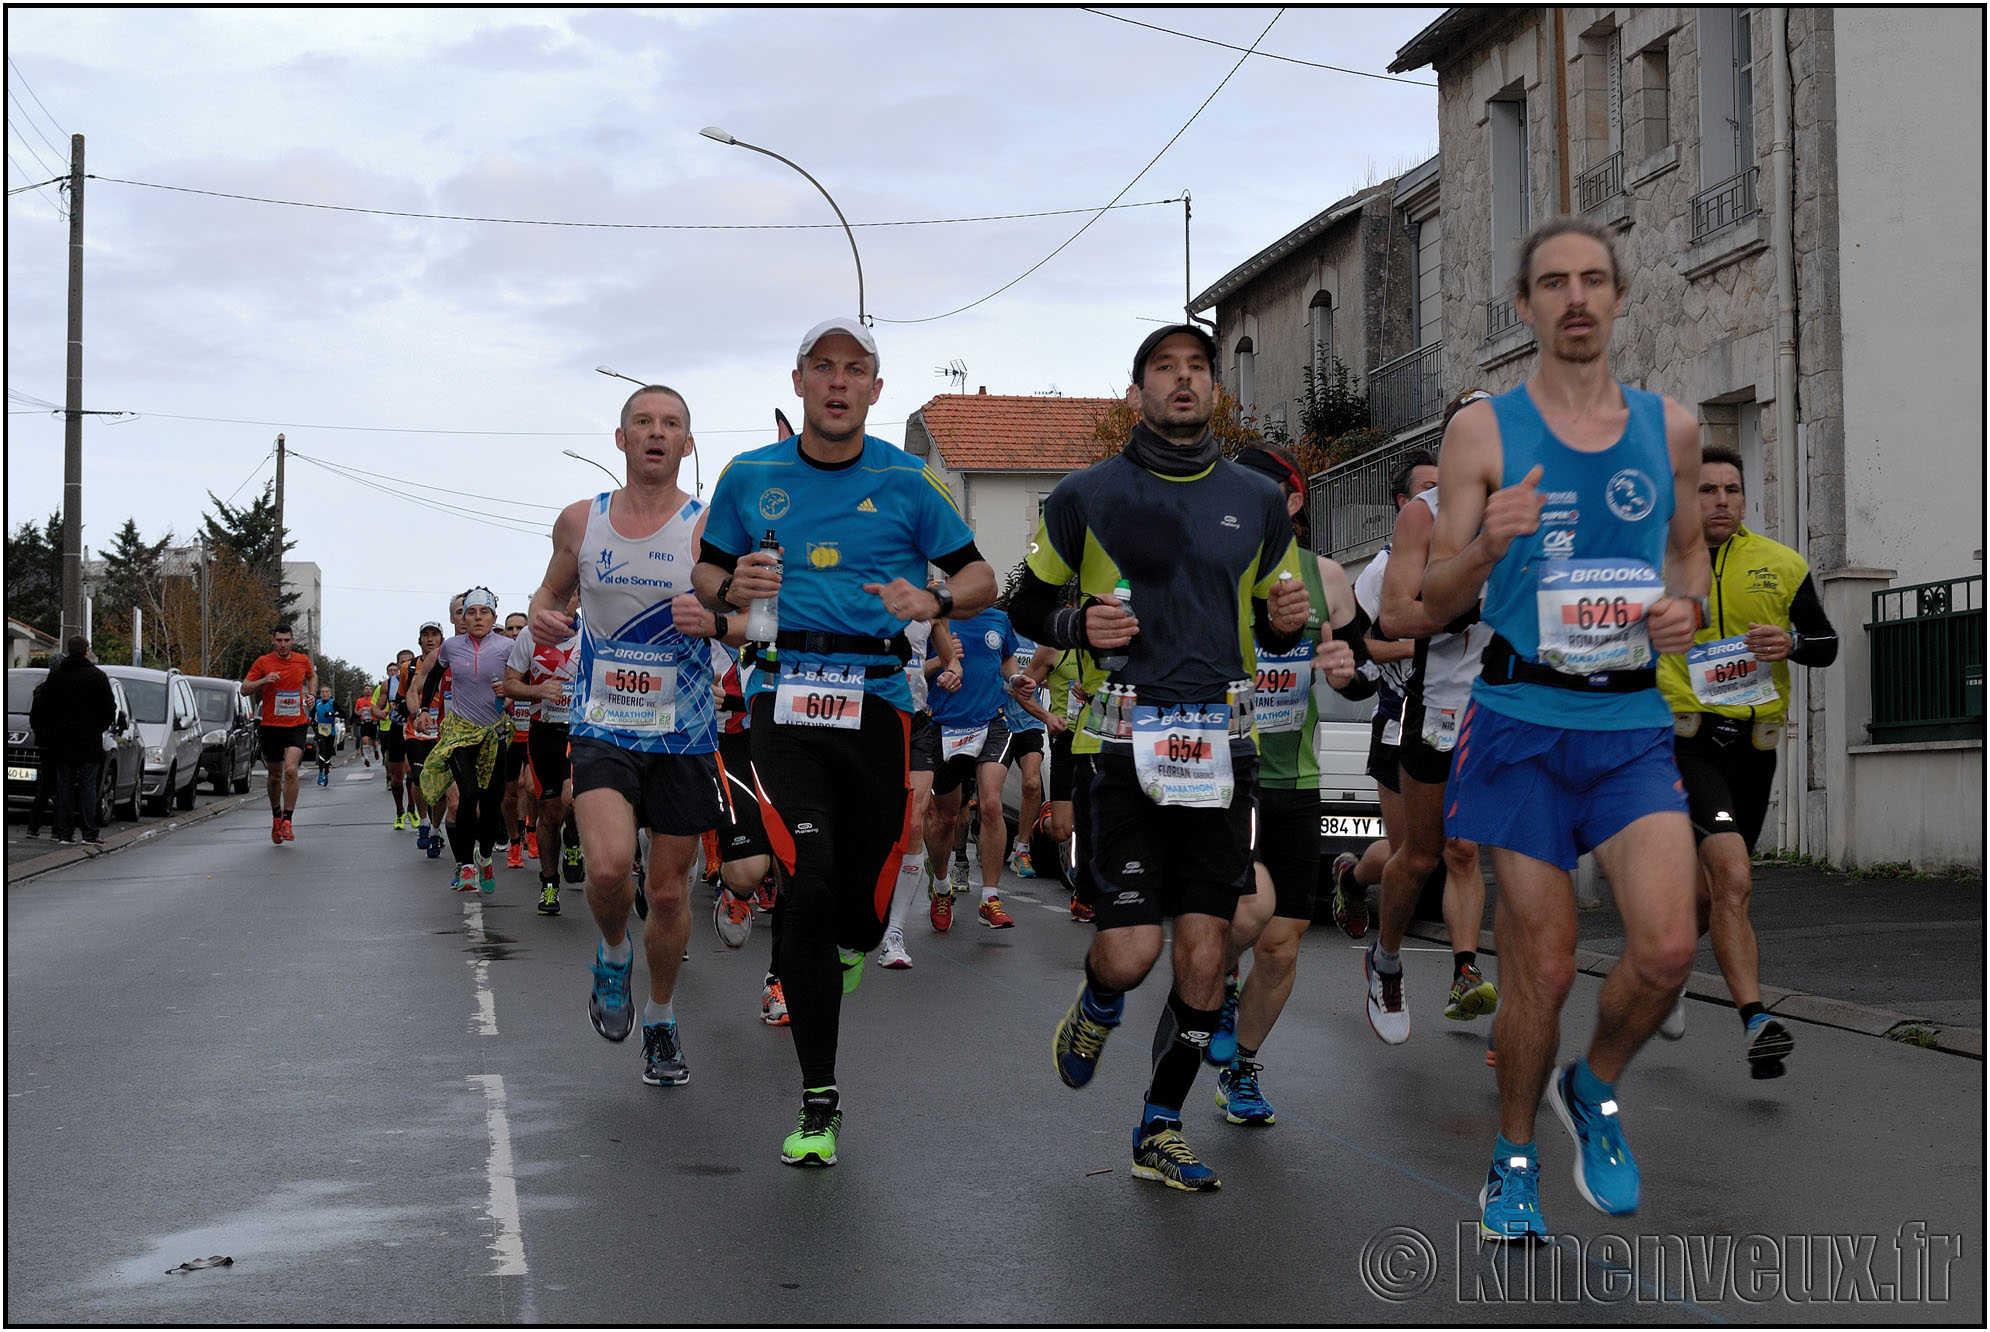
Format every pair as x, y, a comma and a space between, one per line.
1706, 609
1796, 643
945, 597
719, 619
725, 591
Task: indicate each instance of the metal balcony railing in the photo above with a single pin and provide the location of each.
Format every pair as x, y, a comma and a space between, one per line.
1926, 642
1500, 316
1723, 205
1351, 505
1601, 183
1408, 390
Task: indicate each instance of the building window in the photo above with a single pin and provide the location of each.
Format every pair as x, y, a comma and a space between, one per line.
1427, 250
1727, 95
1602, 120
1320, 316
1506, 118
1647, 116
1247, 374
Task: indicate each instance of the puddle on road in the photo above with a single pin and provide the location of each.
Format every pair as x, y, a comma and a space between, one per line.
493, 947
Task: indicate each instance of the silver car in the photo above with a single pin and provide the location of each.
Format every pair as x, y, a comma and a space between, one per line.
169, 724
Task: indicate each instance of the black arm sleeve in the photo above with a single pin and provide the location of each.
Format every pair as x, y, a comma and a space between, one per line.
1355, 634
1807, 617
952, 563
710, 554
1036, 612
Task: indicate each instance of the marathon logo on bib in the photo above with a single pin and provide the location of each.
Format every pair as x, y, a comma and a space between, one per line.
1726, 674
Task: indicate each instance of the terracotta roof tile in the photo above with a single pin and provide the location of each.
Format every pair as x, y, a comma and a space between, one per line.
992, 432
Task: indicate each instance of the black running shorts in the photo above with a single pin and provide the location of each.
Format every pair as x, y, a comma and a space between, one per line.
1153, 861
1289, 848
546, 750
741, 836
1727, 778
274, 740
674, 795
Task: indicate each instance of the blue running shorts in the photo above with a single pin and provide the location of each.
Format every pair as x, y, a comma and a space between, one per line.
1554, 794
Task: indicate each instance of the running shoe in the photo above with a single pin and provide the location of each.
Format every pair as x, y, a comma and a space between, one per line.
1222, 1047
993, 916
466, 879
289, 830
1472, 996
531, 843
421, 836
763, 900
324, 776
571, 867
1080, 1040
1510, 1200
400, 823
773, 1005
732, 917
1019, 863
893, 953
1237, 1092
1159, 1153
515, 857
1388, 1015
609, 1007
366, 762
549, 897
853, 968
435, 844
1350, 898
1605, 1173
940, 910
1492, 1048
1674, 1026
957, 877
813, 1143
1769, 1043
1080, 911
486, 874
663, 1057
275, 829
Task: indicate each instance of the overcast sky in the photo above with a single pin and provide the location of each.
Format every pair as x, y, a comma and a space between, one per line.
487, 335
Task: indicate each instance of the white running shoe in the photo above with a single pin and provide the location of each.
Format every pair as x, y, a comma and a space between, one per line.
1674, 1026
893, 953
1388, 1014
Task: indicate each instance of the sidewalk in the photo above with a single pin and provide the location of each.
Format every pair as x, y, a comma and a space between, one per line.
1898, 957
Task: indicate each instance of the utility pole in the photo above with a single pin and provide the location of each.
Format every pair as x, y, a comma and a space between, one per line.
201, 543
72, 430
279, 525
1188, 294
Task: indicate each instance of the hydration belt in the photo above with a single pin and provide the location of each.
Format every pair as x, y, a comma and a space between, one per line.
815, 644
1501, 665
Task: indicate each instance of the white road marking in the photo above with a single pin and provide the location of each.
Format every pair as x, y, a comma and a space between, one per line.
501, 1205
484, 1021
359, 776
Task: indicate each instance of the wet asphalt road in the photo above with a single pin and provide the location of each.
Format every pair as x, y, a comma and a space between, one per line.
386, 1104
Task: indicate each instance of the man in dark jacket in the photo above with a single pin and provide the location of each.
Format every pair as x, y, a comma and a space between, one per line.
71, 711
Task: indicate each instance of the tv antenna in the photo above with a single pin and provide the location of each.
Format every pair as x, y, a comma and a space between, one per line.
956, 371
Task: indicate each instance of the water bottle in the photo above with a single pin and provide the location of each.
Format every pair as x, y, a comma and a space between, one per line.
1115, 659
763, 620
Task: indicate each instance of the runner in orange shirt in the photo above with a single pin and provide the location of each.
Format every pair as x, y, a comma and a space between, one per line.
283, 679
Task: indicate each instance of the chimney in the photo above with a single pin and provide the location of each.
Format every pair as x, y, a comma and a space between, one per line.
984, 391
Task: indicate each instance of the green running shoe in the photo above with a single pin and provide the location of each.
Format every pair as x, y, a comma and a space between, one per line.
813, 1143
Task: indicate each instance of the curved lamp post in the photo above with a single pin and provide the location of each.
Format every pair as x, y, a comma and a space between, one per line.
718, 135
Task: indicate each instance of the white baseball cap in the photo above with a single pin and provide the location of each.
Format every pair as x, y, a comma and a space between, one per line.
853, 327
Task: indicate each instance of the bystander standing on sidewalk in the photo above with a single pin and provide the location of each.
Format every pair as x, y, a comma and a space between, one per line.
71, 711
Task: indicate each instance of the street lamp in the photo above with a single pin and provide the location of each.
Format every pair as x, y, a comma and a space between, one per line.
718, 135
697, 472
591, 463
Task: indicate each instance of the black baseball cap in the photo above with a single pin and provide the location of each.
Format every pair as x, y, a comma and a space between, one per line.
1160, 335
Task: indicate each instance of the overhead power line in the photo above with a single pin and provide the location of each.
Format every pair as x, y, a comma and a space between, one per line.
38, 102
488, 519
59, 153
1267, 55
614, 226
1101, 212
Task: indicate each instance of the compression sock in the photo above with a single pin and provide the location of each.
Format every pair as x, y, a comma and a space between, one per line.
1180, 1039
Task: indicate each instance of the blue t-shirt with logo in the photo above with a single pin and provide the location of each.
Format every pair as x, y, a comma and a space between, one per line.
1013, 715
986, 641
883, 515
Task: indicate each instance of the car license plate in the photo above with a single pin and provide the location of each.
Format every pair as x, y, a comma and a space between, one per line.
22, 774
1350, 825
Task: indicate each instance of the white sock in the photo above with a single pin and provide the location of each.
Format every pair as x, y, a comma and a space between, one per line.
988, 891
655, 1013
911, 882
619, 953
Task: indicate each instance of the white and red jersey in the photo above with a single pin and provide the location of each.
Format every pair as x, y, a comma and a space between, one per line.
539, 664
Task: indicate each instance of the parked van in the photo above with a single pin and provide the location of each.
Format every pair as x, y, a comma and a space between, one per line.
169, 723
228, 732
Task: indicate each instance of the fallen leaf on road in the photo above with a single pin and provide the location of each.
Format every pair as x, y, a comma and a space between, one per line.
196, 1264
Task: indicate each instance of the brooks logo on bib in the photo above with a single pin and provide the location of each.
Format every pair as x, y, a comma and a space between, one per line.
1181, 755
633, 688
1725, 673
1592, 614
828, 696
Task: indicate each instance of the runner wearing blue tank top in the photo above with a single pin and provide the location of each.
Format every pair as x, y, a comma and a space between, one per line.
643, 721
1571, 501
858, 521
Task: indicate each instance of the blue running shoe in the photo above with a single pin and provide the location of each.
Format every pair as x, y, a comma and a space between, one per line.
421, 837
435, 846
1769, 1043
1510, 1200
1160, 1154
1605, 1173
1222, 1047
609, 1006
1237, 1092
1080, 1040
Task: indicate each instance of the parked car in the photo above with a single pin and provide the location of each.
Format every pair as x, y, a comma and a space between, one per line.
1350, 810
169, 724
228, 732
124, 753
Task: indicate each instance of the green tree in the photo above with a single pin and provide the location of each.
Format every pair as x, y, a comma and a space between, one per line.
134, 576
250, 532
34, 574
1233, 430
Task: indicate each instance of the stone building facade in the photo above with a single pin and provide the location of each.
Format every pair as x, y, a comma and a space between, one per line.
1665, 125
